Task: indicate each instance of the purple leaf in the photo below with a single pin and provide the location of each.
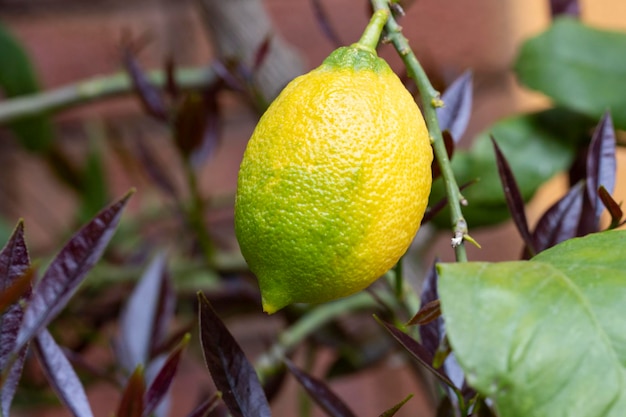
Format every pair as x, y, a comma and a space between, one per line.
197, 125
68, 269
9, 387
320, 393
449, 142
21, 289
393, 410
514, 199
61, 375
232, 373
612, 207
160, 385
418, 351
225, 75
564, 7
324, 22
601, 165
441, 204
131, 404
15, 285
262, 52
171, 84
431, 334
140, 316
454, 116
560, 222
427, 313
165, 315
207, 406
212, 131
148, 94
155, 170
15, 278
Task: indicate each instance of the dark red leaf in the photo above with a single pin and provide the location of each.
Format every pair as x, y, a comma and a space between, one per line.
418, 351
171, 84
578, 169
431, 333
139, 317
148, 93
9, 387
560, 222
155, 170
320, 393
514, 199
454, 116
393, 410
601, 164
441, 204
232, 373
61, 375
131, 404
166, 308
449, 142
427, 313
212, 131
564, 8
225, 74
324, 22
14, 260
160, 385
68, 269
261, 53
197, 125
206, 406
614, 209
15, 286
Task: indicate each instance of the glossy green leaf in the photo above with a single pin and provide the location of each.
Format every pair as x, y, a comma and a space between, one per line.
544, 337
579, 67
17, 77
537, 146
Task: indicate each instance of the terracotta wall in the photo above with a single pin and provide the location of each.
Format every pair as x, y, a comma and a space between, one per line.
73, 40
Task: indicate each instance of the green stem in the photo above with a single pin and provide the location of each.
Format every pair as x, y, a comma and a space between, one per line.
94, 89
291, 337
374, 28
195, 215
431, 101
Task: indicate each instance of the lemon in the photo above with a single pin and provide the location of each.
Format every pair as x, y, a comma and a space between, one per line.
334, 181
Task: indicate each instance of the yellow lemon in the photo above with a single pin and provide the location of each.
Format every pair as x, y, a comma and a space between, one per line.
334, 181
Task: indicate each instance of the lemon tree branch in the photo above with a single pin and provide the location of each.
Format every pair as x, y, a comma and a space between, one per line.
431, 101
93, 90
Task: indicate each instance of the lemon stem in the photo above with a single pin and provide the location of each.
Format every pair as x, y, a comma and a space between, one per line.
431, 101
371, 34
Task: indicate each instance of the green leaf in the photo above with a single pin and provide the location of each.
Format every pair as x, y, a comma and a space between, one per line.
537, 146
94, 192
579, 67
17, 77
545, 337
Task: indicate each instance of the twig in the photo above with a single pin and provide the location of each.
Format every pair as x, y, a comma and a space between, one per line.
291, 337
431, 101
92, 90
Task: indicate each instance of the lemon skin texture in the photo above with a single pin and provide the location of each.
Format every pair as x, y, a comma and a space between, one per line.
334, 181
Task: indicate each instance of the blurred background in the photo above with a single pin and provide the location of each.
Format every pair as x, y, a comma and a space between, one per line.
70, 41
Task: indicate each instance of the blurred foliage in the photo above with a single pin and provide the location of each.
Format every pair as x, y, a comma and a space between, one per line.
144, 281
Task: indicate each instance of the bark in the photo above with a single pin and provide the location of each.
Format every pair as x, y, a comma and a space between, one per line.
238, 29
